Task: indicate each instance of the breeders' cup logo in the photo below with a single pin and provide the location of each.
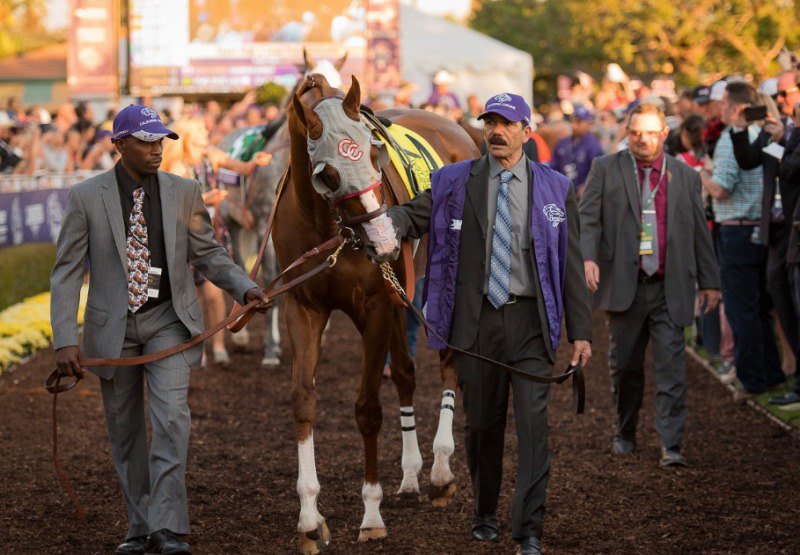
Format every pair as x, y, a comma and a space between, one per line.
17, 226
54, 215
350, 150
555, 214
502, 97
149, 112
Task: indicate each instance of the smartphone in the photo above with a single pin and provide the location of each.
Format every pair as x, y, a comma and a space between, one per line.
755, 113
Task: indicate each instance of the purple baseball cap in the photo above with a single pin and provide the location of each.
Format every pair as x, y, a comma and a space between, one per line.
511, 106
142, 122
582, 113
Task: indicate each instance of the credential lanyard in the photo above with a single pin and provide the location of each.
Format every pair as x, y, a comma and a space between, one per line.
653, 193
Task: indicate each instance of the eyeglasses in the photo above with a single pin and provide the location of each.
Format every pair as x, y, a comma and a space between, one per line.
785, 93
639, 134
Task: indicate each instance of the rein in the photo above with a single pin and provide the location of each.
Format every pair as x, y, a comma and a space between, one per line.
573, 371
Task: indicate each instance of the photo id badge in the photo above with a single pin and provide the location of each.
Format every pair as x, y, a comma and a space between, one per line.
646, 240
153, 282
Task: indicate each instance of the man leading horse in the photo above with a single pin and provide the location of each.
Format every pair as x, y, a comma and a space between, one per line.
504, 268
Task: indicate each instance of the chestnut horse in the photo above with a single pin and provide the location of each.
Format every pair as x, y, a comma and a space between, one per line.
334, 167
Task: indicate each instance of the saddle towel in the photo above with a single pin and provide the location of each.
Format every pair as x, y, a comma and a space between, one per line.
416, 153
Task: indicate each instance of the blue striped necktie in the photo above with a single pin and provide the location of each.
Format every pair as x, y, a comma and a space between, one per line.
500, 268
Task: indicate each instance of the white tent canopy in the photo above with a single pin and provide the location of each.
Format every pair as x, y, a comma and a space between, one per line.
480, 64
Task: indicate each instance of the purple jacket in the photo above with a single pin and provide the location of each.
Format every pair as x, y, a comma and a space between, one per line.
548, 231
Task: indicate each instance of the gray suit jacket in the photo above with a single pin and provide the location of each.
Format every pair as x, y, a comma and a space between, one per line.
93, 227
610, 213
413, 219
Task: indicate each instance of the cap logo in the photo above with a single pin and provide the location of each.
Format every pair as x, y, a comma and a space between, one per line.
149, 112
502, 97
350, 150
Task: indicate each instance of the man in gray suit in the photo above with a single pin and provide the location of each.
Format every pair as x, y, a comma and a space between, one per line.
504, 269
140, 228
646, 246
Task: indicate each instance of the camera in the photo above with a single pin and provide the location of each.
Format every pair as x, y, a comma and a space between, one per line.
755, 113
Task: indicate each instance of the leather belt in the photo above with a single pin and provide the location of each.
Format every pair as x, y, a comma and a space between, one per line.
740, 221
645, 279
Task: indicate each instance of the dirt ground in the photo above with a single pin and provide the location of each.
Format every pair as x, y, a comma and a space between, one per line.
738, 495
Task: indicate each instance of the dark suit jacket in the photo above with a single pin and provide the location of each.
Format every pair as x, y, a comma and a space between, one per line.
750, 156
413, 219
610, 223
790, 174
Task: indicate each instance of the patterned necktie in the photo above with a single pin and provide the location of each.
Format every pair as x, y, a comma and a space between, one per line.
500, 268
649, 261
138, 254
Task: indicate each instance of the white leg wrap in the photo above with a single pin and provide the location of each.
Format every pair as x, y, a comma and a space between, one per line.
241, 339
412, 459
444, 444
274, 324
379, 230
307, 486
372, 494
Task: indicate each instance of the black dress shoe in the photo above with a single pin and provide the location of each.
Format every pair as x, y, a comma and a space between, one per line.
788, 399
132, 546
530, 546
485, 533
165, 542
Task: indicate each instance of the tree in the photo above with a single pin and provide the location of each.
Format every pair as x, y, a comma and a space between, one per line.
687, 38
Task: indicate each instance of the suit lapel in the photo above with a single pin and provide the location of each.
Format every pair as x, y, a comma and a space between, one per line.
672, 195
476, 190
169, 211
113, 208
627, 169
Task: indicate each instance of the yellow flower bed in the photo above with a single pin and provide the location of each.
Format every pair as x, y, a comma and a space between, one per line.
25, 327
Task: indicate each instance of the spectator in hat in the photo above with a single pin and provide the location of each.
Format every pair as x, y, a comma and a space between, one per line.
711, 110
441, 95
573, 155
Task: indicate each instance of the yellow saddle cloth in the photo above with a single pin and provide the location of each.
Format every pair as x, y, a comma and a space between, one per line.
414, 152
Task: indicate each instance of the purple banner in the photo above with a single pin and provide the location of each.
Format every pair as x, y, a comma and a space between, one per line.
32, 216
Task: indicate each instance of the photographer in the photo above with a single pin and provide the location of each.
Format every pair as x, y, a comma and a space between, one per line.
777, 202
737, 195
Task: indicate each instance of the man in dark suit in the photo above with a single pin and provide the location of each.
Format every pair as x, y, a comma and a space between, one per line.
504, 268
140, 228
646, 245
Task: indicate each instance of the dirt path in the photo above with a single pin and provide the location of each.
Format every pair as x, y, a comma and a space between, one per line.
738, 495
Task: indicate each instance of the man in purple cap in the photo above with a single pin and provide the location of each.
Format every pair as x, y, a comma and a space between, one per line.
140, 228
504, 269
573, 155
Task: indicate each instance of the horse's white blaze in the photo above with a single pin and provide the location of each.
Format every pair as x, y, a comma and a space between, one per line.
443, 443
372, 494
307, 486
380, 229
412, 459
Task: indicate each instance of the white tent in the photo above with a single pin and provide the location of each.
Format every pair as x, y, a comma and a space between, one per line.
480, 64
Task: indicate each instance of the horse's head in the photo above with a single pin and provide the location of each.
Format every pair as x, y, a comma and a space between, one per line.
344, 162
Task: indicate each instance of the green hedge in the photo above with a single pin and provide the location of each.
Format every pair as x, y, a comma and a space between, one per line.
24, 271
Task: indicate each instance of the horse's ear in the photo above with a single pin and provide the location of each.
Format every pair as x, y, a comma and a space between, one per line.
306, 60
340, 62
308, 118
352, 102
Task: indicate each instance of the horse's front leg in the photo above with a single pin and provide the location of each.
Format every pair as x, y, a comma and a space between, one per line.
305, 329
374, 325
443, 483
405, 383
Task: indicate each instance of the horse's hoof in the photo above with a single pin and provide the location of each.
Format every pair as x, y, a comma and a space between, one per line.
441, 495
408, 495
369, 534
315, 541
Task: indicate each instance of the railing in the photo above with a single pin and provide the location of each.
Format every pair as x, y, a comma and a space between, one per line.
43, 180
